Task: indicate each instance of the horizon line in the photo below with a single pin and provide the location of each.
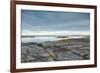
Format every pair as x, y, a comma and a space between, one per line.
50, 35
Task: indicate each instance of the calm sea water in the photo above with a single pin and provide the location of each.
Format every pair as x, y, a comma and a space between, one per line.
44, 39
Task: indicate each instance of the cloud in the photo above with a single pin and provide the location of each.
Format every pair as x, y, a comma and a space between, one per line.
35, 21
55, 33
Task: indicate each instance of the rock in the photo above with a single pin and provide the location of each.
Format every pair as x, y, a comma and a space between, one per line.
56, 51
67, 56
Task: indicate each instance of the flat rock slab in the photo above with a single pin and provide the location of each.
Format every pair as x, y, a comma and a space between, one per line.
55, 51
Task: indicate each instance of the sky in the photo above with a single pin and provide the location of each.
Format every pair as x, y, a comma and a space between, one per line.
51, 22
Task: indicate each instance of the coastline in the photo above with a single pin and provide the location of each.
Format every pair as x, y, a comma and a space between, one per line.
60, 50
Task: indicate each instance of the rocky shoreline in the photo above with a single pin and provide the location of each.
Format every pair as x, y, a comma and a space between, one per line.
63, 50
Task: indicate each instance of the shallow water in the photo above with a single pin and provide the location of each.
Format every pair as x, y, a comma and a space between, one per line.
44, 39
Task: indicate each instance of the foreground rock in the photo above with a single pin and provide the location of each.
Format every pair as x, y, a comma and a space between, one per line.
63, 50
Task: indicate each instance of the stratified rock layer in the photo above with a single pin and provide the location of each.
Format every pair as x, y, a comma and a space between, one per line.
63, 50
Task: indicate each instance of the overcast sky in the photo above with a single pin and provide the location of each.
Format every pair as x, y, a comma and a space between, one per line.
36, 21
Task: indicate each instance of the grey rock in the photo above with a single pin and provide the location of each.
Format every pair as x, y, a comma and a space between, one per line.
76, 49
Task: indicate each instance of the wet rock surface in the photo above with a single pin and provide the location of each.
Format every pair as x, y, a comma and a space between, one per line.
63, 50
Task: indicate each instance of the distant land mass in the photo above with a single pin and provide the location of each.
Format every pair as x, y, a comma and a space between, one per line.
58, 36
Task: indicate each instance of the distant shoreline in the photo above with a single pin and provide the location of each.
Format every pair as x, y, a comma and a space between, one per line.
50, 35
41, 39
